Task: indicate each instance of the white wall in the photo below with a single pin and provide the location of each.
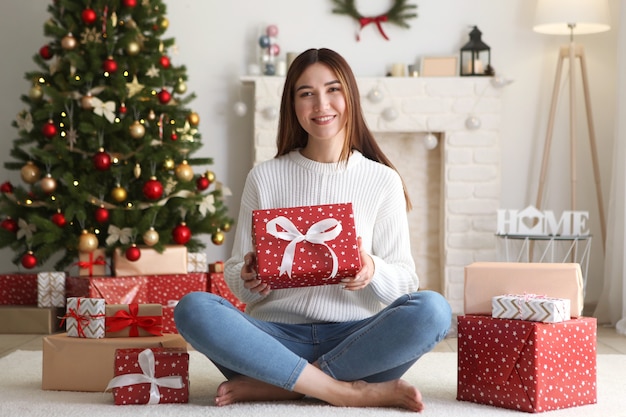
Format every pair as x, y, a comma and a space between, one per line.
216, 41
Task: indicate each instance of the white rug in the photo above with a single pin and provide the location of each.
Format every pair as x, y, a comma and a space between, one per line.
434, 375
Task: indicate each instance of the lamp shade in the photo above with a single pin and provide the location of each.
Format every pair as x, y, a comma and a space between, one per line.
567, 17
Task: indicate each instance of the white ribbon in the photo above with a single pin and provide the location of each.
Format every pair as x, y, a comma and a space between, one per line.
115, 234
146, 363
104, 109
320, 233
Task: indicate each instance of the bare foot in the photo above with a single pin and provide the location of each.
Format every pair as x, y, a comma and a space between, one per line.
397, 393
244, 389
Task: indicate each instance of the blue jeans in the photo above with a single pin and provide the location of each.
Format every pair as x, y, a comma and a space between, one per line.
380, 348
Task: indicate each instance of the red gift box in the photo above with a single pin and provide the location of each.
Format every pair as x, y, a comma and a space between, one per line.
218, 286
150, 376
526, 366
164, 289
115, 290
306, 246
18, 289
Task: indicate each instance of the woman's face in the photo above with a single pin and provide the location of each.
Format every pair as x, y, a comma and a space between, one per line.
320, 104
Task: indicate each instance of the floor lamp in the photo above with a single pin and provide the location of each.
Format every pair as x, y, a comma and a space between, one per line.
570, 17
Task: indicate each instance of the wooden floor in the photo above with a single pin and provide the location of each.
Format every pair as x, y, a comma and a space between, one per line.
609, 342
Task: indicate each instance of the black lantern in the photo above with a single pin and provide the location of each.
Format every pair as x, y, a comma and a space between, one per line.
475, 56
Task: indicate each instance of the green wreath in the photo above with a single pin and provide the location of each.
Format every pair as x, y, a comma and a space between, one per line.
398, 14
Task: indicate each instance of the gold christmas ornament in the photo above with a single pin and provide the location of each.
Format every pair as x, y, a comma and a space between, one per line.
133, 48
210, 175
137, 170
164, 23
180, 87
226, 227
69, 42
218, 237
137, 130
30, 173
86, 102
35, 93
151, 237
193, 119
48, 184
184, 172
119, 193
169, 164
87, 242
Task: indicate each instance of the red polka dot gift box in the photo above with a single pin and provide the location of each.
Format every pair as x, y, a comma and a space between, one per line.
150, 376
306, 246
525, 365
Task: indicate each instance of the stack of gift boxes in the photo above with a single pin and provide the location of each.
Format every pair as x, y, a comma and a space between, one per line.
523, 343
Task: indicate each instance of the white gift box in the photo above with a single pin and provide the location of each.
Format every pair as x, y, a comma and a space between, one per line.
51, 289
531, 308
85, 317
197, 262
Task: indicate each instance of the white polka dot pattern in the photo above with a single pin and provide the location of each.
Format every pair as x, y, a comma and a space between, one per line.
526, 366
18, 289
167, 361
312, 263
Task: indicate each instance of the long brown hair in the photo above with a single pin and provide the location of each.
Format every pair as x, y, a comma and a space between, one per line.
292, 136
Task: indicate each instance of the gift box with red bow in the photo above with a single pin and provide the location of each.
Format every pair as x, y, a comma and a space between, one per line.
306, 246
133, 320
92, 263
150, 376
85, 317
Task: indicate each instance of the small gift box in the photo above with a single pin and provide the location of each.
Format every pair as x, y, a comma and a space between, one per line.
197, 262
51, 289
161, 377
530, 307
85, 317
92, 263
306, 246
216, 267
173, 260
133, 320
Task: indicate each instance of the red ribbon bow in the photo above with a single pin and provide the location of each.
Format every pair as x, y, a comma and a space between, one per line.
364, 21
90, 263
123, 319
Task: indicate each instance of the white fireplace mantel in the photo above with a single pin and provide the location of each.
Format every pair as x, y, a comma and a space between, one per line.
470, 176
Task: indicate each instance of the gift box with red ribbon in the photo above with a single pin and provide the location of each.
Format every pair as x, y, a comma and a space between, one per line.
150, 376
218, 286
92, 263
306, 246
85, 317
133, 320
18, 289
526, 365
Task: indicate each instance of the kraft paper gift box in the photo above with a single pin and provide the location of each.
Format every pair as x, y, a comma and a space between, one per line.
150, 376
218, 286
485, 280
526, 366
197, 262
85, 317
18, 289
92, 264
76, 364
51, 289
306, 246
216, 267
115, 290
173, 260
134, 320
530, 307
30, 319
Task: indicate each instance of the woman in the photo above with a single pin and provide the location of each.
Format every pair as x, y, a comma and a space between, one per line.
347, 344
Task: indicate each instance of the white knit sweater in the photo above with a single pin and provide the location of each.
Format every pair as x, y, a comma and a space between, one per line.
376, 194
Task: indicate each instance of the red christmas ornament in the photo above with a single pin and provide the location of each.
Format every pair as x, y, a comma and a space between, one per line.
6, 187
101, 160
109, 65
173, 136
9, 224
181, 234
165, 62
29, 260
45, 52
49, 130
202, 183
153, 189
89, 16
58, 219
164, 96
129, 3
133, 253
123, 109
101, 215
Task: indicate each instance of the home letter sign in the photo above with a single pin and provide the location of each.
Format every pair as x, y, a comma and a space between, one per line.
533, 222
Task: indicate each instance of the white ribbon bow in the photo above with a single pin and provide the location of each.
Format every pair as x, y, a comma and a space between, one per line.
104, 109
115, 234
146, 363
320, 233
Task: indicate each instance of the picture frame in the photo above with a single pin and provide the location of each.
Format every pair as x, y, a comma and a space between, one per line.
439, 66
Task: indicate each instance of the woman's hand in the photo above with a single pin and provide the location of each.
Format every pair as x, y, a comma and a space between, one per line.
250, 277
364, 276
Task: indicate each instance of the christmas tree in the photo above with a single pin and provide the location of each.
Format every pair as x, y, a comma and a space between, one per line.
105, 143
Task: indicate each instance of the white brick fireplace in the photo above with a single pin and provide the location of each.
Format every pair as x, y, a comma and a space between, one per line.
455, 187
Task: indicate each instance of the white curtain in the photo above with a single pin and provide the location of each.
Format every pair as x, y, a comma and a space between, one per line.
612, 303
